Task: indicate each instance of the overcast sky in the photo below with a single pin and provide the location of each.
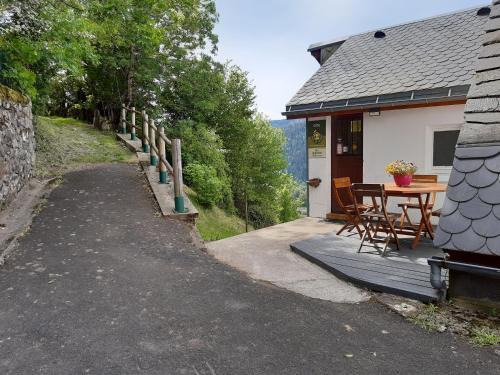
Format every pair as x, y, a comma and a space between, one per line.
269, 38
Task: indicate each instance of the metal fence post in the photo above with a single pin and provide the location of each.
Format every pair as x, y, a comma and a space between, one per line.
145, 132
152, 141
124, 119
178, 183
132, 120
163, 155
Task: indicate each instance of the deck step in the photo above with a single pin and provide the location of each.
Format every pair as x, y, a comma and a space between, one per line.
339, 256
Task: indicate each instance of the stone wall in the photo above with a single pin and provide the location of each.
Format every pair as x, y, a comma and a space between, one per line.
17, 143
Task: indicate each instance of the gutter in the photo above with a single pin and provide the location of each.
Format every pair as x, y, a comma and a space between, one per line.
439, 263
427, 96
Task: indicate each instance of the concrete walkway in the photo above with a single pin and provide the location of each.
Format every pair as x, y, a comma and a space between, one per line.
104, 285
265, 255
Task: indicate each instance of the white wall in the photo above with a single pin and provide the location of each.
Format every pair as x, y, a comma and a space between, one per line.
320, 197
396, 134
406, 134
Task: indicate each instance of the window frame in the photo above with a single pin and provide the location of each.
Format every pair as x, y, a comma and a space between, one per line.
429, 146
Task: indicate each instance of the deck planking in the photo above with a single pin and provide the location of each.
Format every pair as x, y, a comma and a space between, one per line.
338, 255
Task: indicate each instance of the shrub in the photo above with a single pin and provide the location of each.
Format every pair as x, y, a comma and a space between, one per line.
209, 187
289, 201
202, 147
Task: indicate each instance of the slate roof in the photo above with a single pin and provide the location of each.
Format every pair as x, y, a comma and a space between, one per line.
433, 53
470, 217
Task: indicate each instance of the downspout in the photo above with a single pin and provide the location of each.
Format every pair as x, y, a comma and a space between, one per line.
436, 280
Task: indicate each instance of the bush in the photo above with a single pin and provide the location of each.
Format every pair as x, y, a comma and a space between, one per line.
289, 199
209, 187
202, 147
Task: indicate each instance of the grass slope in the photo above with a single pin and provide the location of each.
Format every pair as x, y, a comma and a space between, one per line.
214, 223
63, 144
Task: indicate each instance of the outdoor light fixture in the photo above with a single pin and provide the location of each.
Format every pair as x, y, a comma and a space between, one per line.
374, 112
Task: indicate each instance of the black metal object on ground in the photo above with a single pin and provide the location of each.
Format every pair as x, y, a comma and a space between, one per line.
337, 254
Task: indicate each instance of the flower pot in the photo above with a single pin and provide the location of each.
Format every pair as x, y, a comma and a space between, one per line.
403, 180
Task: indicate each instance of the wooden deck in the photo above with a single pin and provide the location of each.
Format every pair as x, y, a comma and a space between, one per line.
408, 276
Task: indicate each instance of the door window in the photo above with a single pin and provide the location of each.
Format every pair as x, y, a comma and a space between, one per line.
350, 137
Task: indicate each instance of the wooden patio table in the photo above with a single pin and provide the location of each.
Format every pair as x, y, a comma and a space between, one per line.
422, 191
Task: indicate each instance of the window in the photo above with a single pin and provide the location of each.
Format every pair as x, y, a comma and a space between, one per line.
350, 137
443, 150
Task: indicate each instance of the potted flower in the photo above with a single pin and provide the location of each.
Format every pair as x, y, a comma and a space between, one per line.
402, 172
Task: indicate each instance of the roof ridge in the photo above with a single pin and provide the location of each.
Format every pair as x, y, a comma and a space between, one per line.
345, 37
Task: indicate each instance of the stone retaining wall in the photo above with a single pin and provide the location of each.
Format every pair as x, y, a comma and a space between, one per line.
17, 143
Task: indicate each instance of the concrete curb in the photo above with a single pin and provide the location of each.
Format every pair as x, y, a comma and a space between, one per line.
16, 218
163, 193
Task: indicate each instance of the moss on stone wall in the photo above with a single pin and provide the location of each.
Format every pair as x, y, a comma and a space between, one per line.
12, 95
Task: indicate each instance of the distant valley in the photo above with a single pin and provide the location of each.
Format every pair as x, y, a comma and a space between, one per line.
295, 148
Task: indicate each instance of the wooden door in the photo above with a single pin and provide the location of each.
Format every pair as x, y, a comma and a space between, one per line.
347, 161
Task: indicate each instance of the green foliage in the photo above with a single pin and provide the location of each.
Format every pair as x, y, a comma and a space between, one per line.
62, 144
254, 151
199, 145
289, 199
77, 56
206, 183
202, 147
484, 336
215, 223
40, 40
116, 50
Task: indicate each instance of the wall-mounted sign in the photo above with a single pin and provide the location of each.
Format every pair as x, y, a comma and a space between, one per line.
316, 139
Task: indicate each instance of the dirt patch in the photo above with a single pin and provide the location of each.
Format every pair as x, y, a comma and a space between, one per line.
480, 326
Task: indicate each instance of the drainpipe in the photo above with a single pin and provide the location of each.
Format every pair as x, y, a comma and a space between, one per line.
437, 263
436, 281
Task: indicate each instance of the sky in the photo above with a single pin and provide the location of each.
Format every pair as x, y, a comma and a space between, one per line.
269, 38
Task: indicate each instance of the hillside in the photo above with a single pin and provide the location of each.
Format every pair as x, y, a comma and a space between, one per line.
295, 148
65, 143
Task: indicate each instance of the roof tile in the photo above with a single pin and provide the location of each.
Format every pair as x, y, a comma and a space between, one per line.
432, 53
468, 240
475, 208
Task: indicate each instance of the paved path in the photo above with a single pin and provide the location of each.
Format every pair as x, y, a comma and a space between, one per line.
102, 285
265, 255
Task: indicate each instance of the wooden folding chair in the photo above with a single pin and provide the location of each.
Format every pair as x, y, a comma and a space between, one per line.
342, 191
378, 220
410, 204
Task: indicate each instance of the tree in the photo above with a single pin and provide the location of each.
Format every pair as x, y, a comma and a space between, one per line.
289, 202
84, 57
40, 40
141, 45
255, 156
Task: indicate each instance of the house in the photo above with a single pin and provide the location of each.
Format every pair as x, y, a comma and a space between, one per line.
394, 93
469, 226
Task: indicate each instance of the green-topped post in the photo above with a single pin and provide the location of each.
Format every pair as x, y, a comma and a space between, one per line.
153, 157
132, 120
162, 156
178, 182
145, 132
124, 119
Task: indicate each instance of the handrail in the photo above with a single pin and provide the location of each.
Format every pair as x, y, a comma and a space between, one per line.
157, 151
161, 135
132, 109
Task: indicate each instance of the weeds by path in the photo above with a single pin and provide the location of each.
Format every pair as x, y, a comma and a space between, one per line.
214, 223
481, 328
63, 144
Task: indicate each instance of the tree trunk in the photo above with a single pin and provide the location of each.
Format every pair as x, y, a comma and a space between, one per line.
130, 77
246, 212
